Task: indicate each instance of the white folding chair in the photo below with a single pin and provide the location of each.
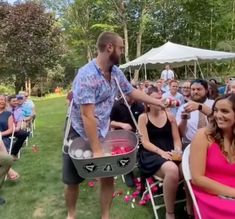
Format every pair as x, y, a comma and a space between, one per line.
188, 177
12, 142
34, 123
12, 139
153, 197
31, 129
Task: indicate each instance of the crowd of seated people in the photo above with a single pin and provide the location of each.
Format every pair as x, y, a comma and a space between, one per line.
162, 131
17, 113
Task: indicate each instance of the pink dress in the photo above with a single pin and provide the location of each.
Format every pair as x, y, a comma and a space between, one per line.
220, 170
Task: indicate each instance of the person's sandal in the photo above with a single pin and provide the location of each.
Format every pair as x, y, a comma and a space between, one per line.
13, 177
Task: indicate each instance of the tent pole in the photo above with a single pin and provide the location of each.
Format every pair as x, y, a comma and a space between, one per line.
190, 70
130, 73
200, 70
145, 73
185, 72
195, 69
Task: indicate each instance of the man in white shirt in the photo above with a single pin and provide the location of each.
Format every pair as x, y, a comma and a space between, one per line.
167, 74
190, 115
175, 95
186, 91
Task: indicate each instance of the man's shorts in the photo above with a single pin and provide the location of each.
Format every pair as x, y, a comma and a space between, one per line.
70, 175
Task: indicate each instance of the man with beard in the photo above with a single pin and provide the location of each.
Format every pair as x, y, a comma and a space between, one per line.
94, 91
193, 115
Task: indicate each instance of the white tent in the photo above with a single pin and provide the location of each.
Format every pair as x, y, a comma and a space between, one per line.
176, 55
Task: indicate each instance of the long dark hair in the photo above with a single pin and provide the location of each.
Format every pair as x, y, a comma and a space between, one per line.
213, 131
151, 89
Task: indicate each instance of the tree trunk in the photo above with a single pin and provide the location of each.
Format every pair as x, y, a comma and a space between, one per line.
232, 25
121, 10
125, 30
26, 84
139, 39
19, 82
211, 29
138, 53
29, 86
89, 53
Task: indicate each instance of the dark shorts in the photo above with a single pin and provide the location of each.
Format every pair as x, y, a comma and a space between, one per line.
70, 175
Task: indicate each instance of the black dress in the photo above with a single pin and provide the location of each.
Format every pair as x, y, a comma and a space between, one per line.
149, 162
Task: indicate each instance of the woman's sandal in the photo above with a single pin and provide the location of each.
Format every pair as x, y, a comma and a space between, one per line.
13, 177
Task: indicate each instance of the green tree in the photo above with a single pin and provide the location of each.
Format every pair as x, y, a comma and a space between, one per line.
30, 40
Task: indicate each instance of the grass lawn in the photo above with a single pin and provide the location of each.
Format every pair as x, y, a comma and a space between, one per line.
39, 192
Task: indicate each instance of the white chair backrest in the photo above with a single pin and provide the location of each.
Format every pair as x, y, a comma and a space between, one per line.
185, 164
12, 138
188, 177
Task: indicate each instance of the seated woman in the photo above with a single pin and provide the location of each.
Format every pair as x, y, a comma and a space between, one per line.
159, 136
6, 129
6, 122
212, 162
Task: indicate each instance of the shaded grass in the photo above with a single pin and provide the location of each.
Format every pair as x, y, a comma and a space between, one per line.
39, 192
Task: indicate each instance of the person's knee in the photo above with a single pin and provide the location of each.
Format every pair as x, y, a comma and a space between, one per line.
9, 160
171, 171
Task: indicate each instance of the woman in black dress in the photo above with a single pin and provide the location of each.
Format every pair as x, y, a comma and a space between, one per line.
159, 136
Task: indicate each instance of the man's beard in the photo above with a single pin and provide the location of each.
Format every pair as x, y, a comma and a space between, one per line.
199, 100
114, 58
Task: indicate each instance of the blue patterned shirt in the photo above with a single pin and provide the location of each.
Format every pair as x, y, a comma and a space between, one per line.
90, 87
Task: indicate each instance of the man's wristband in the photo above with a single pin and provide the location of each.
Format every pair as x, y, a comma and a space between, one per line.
199, 107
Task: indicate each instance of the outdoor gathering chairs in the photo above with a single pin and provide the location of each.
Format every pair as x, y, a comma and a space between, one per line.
188, 177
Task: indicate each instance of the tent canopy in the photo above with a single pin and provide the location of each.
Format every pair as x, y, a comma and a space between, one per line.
176, 55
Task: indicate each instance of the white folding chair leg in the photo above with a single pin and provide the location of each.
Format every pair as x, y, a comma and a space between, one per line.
12, 139
18, 155
34, 124
152, 196
188, 177
27, 141
123, 179
152, 200
31, 129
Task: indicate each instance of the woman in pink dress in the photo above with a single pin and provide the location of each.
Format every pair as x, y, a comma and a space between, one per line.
212, 162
